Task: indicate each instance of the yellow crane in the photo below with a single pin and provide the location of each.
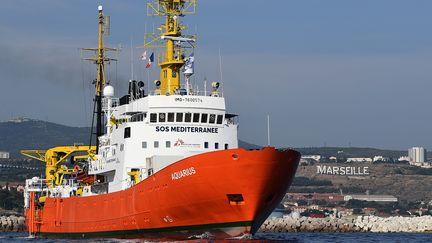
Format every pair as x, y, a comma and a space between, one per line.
53, 157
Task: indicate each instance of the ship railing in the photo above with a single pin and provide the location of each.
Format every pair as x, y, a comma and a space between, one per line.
36, 185
72, 183
192, 92
114, 103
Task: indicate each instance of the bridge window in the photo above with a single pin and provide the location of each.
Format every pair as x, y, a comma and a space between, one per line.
216, 145
219, 119
138, 117
144, 145
212, 118
188, 117
196, 117
179, 117
168, 144
205, 144
161, 117
204, 118
156, 144
127, 132
153, 117
171, 117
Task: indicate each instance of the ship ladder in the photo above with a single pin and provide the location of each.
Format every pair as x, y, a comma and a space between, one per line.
31, 215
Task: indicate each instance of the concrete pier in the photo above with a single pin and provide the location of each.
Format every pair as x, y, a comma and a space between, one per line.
349, 224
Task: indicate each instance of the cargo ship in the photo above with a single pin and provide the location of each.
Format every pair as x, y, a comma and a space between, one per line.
166, 162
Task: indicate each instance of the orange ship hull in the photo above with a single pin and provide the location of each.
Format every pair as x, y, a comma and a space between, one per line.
219, 194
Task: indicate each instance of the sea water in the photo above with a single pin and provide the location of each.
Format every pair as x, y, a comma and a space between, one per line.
281, 237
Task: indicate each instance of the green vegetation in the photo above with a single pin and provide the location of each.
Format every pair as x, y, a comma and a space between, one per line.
326, 189
39, 135
19, 170
310, 212
11, 200
415, 170
387, 208
298, 189
304, 181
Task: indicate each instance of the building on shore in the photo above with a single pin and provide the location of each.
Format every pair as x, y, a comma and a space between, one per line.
379, 158
363, 160
316, 196
12, 186
317, 158
310, 159
417, 155
371, 198
4, 155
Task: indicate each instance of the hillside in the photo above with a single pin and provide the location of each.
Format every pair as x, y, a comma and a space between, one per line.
408, 183
35, 134
348, 152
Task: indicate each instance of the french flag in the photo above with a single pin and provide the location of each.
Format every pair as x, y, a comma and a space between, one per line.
151, 60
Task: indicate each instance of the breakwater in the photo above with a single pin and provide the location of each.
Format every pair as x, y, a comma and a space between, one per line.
303, 224
348, 224
12, 223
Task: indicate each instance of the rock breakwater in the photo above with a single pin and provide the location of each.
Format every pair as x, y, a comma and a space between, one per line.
12, 223
348, 224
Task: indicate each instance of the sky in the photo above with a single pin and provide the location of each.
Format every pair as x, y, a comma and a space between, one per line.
328, 73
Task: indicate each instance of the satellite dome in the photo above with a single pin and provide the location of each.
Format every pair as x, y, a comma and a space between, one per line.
108, 91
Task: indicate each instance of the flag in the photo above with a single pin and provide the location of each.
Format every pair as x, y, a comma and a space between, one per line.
150, 61
144, 56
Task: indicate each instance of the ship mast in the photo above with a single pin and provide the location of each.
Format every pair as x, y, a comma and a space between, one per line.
175, 42
100, 82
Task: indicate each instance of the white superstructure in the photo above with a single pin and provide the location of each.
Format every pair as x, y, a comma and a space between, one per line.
151, 132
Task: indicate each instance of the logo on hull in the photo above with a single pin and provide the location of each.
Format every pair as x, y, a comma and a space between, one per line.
179, 142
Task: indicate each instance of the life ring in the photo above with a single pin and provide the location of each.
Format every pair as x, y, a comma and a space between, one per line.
77, 167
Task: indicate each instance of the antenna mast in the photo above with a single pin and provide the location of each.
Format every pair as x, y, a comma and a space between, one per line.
268, 130
171, 38
100, 81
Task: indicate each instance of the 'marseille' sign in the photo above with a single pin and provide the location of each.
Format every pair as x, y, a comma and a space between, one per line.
343, 170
